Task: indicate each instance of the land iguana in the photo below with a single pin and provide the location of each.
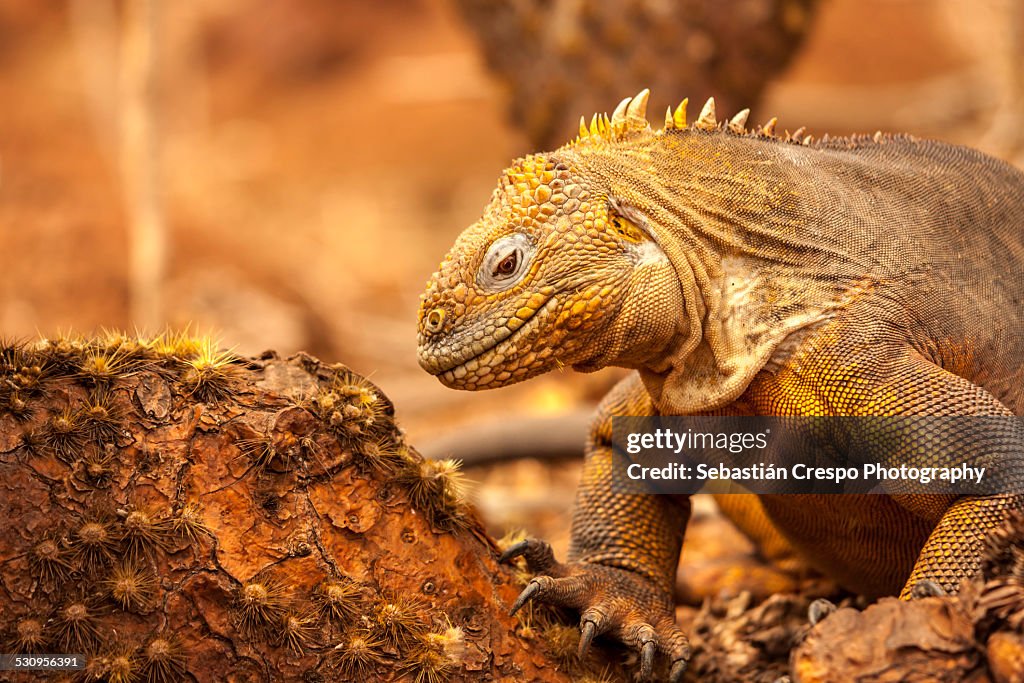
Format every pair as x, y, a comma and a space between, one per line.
741, 272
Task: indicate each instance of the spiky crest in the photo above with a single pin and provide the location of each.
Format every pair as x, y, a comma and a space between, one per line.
630, 117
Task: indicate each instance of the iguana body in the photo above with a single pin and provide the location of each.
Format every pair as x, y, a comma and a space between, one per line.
740, 273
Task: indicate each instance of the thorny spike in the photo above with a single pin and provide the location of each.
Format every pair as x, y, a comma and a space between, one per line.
619, 115
808, 140
769, 128
738, 123
636, 110
877, 136
594, 128
679, 116
606, 123
799, 134
706, 120
584, 133
669, 121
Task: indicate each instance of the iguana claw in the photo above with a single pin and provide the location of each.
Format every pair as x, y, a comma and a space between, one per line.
609, 599
538, 554
531, 589
647, 658
513, 551
588, 629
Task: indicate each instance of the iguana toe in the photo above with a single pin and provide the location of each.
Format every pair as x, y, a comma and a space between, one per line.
538, 555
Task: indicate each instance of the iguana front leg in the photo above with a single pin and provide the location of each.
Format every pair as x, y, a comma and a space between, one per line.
911, 385
953, 551
624, 553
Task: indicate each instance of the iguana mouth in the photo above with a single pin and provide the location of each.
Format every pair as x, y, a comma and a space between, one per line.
470, 361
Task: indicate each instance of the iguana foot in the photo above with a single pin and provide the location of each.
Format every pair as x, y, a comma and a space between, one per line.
610, 600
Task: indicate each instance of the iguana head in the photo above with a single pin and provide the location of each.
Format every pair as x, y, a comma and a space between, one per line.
689, 253
558, 271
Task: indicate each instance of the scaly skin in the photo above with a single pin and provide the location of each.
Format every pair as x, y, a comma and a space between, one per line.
739, 273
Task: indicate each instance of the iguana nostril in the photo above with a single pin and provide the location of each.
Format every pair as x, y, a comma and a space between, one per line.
435, 319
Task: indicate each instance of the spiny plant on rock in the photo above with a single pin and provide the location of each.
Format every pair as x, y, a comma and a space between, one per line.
209, 373
384, 456
398, 621
189, 523
1000, 595
357, 655
360, 416
163, 660
427, 664
101, 367
259, 451
103, 420
121, 663
176, 345
436, 655
22, 379
132, 586
49, 560
298, 630
94, 543
145, 531
16, 403
66, 433
338, 600
352, 407
563, 641
29, 636
438, 489
32, 444
95, 467
280, 451
260, 606
76, 626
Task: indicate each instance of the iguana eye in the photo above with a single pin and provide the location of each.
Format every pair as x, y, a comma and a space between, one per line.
507, 265
505, 262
